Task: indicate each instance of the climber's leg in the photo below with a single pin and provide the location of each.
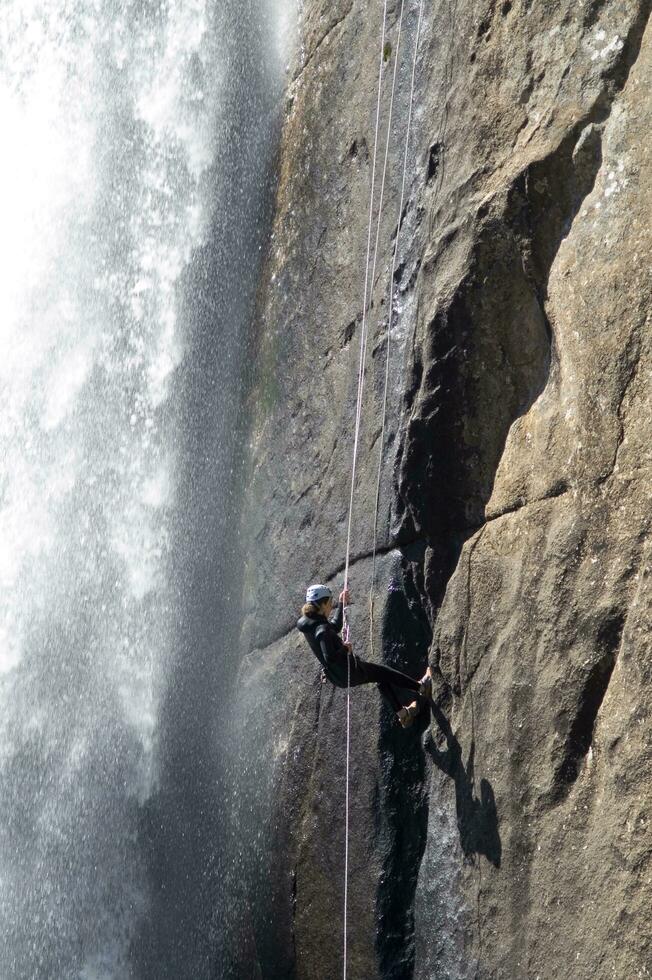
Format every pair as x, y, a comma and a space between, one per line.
390, 694
366, 672
391, 682
407, 714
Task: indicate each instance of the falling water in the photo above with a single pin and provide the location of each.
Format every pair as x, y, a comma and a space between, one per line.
138, 138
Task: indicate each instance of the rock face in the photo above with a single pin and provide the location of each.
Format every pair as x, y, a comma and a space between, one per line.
507, 836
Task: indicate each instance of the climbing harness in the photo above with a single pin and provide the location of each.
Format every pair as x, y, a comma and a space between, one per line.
368, 291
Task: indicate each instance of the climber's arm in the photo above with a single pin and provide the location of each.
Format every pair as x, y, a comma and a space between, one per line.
336, 618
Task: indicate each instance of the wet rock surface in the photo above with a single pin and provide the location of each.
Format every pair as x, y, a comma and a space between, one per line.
507, 835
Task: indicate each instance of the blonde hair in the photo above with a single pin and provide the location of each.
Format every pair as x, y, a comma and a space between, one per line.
310, 609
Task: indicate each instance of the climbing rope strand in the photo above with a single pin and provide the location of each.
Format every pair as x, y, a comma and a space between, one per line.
369, 280
358, 416
363, 329
391, 307
364, 335
386, 156
368, 296
346, 805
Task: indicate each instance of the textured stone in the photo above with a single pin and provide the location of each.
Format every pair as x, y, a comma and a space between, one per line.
509, 838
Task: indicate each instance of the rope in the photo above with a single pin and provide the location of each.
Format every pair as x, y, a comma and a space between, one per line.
389, 325
346, 806
387, 141
356, 441
363, 331
369, 281
367, 295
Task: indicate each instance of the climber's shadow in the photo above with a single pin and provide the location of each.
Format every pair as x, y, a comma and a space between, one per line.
477, 819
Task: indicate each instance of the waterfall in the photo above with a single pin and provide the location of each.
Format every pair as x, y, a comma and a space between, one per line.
138, 140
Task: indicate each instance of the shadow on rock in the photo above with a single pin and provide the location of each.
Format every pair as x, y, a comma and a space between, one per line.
477, 819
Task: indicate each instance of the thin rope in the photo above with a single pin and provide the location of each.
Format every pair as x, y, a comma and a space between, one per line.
346, 804
387, 142
367, 296
363, 330
369, 281
389, 324
356, 440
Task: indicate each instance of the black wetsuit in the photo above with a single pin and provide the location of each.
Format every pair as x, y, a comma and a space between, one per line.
339, 665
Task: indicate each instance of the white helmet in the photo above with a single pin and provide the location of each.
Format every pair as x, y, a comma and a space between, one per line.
315, 593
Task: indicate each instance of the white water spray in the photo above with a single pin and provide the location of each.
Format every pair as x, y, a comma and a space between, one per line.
110, 121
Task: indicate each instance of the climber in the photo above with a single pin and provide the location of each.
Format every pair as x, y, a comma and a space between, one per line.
321, 622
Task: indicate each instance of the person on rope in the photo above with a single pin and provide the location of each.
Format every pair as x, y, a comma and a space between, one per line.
321, 623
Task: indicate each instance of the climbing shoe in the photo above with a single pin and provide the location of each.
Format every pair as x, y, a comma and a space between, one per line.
407, 714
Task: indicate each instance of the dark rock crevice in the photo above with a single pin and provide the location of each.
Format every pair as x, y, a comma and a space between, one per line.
464, 680
486, 356
592, 693
434, 160
557, 490
403, 805
632, 361
449, 399
482, 361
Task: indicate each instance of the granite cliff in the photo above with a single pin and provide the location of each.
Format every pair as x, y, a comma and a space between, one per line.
508, 835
